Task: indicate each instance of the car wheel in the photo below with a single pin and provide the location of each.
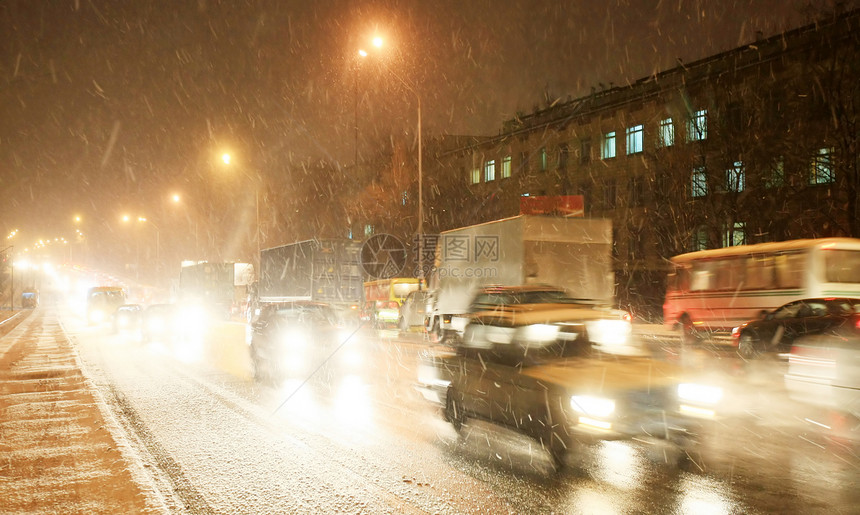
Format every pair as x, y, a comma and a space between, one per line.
454, 409
748, 347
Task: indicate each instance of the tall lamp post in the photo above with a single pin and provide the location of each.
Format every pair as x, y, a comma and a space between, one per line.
377, 42
227, 159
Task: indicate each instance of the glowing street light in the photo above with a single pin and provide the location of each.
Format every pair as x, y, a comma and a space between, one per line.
378, 42
227, 159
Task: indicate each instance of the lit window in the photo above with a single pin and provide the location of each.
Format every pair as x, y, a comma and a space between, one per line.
700, 182
506, 167
368, 229
776, 177
821, 170
735, 177
634, 139
404, 198
543, 159
475, 177
666, 136
607, 150
735, 235
490, 170
697, 126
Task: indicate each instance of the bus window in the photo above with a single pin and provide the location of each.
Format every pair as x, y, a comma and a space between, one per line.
701, 277
789, 270
759, 273
729, 274
841, 266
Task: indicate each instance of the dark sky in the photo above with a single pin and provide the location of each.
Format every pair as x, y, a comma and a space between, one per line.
106, 106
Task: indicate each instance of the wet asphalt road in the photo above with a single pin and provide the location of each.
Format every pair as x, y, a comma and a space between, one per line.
347, 432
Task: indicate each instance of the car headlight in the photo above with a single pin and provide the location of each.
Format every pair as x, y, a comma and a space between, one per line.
537, 333
609, 332
592, 406
699, 393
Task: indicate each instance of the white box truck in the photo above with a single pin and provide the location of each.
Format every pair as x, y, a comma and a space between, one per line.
574, 254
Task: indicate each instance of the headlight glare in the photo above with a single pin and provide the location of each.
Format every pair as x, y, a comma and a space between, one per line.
594, 406
698, 393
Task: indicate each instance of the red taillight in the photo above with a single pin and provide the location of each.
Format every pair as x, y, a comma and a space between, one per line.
627, 317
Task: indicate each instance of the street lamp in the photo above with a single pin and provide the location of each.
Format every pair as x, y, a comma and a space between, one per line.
377, 42
227, 159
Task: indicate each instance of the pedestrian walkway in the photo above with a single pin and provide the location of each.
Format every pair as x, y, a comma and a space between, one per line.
57, 451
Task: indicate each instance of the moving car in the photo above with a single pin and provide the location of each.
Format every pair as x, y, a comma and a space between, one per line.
533, 360
776, 331
127, 318
516, 323
102, 302
824, 371
30, 298
413, 310
160, 323
288, 337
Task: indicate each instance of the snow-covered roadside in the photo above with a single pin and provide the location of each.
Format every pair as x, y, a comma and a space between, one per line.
61, 450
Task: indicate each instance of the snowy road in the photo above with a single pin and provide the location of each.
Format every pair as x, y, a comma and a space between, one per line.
357, 438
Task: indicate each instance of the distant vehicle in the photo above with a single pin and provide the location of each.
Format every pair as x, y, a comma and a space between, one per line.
127, 318
717, 290
292, 335
413, 310
574, 254
102, 302
395, 288
320, 270
824, 372
220, 287
30, 298
383, 313
777, 331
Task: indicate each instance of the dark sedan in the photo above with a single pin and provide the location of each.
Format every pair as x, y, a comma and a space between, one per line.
775, 332
292, 337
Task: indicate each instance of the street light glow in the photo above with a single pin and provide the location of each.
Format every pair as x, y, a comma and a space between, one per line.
226, 158
362, 53
377, 42
176, 198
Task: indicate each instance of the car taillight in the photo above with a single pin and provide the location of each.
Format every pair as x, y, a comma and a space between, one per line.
857, 322
627, 317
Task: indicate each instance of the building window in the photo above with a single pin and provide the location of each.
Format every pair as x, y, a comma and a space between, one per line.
609, 194
404, 198
368, 229
543, 159
700, 182
585, 151
697, 126
506, 167
490, 170
700, 239
821, 170
635, 135
475, 177
607, 150
563, 151
735, 177
666, 136
776, 175
735, 235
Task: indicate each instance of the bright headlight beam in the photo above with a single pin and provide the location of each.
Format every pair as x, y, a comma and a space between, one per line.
699, 393
593, 406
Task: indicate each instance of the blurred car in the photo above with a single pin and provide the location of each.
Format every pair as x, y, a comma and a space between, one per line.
413, 310
566, 402
288, 336
102, 302
777, 331
384, 313
516, 323
160, 323
127, 318
30, 298
824, 370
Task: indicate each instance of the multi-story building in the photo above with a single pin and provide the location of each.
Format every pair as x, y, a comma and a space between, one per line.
755, 144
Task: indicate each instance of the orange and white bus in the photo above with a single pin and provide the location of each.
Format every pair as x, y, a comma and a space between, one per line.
717, 290
385, 296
